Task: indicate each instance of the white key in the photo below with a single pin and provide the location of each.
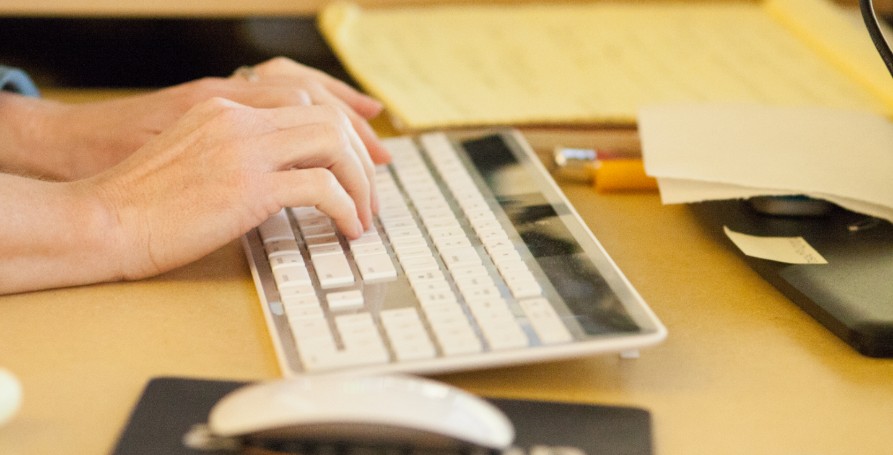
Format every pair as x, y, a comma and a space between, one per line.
457, 339
277, 247
333, 270
498, 324
317, 230
397, 222
435, 298
523, 284
367, 249
412, 251
299, 300
360, 334
277, 227
472, 271
312, 333
424, 275
374, 267
368, 238
442, 234
345, 300
325, 249
303, 311
434, 223
307, 213
504, 335
419, 263
545, 321
322, 239
409, 242
298, 291
398, 234
295, 275
407, 334
504, 255
461, 257
453, 331
444, 244
286, 259
478, 293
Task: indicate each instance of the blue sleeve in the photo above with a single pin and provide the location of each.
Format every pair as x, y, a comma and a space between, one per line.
16, 80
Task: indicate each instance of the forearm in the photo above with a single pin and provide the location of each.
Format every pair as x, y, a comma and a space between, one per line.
53, 235
23, 130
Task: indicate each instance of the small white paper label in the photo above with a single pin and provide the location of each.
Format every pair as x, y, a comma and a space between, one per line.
790, 250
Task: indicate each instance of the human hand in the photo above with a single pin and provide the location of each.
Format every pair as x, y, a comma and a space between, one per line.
223, 169
73, 141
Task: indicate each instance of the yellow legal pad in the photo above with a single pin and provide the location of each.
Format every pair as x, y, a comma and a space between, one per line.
438, 66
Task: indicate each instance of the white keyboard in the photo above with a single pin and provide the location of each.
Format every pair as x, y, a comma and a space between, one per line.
447, 279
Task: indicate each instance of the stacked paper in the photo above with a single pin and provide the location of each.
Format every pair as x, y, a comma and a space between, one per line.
709, 152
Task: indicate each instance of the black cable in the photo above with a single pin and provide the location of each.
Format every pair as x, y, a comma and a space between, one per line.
874, 30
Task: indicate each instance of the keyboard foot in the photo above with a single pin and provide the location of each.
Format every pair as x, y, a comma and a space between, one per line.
630, 354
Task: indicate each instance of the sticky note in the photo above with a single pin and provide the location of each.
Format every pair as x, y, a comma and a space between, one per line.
790, 250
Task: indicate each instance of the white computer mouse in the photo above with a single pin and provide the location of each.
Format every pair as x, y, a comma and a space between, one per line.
383, 409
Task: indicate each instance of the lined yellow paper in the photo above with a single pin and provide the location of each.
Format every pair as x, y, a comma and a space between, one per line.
584, 63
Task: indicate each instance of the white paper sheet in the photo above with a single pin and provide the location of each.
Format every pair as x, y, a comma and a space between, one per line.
709, 152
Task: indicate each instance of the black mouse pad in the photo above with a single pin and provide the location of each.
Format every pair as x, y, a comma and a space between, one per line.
169, 407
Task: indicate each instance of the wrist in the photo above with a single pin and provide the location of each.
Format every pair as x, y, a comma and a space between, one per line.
60, 235
100, 232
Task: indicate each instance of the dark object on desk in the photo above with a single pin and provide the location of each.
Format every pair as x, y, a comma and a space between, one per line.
169, 407
131, 52
852, 295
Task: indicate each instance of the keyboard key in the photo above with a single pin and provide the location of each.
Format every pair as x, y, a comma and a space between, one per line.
308, 310
295, 275
374, 267
545, 321
286, 259
277, 247
333, 270
360, 335
407, 334
325, 249
345, 300
277, 227
461, 257
368, 249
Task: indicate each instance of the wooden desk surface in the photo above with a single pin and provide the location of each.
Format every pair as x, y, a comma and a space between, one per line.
742, 371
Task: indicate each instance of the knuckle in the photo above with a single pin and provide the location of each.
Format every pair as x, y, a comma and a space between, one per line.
335, 114
333, 136
221, 110
297, 96
326, 181
275, 64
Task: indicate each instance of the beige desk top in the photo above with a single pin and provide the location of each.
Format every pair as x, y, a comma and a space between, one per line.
743, 370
